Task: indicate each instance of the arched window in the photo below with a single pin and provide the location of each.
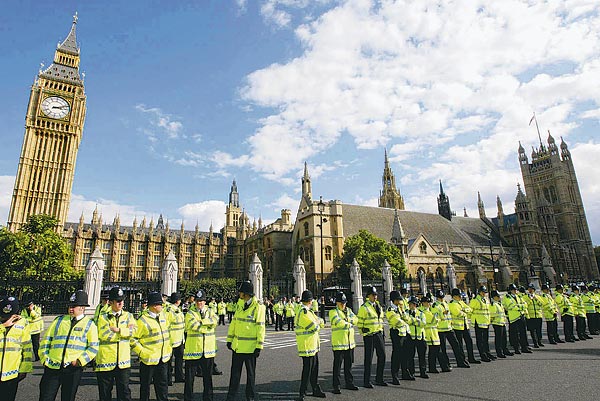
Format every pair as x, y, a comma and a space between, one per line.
306, 229
327, 252
423, 247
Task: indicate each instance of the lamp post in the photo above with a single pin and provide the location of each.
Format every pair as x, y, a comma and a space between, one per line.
321, 208
489, 235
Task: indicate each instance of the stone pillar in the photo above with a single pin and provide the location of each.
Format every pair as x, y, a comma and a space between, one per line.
299, 276
256, 277
547, 267
422, 282
451, 274
356, 286
94, 274
388, 282
169, 274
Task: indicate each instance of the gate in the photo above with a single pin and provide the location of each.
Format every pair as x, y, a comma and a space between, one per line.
52, 296
135, 292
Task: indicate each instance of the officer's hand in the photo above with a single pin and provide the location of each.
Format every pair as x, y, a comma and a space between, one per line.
565, 310
229, 346
365, 330
115, 329
21, 376
76, 362
257, 352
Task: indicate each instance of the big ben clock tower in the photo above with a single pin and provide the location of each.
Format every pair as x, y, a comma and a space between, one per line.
53, 129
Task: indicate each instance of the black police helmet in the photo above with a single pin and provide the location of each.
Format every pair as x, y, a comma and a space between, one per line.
246, 288
494, 294
116, 294
413, 300
341, 297
559, 287
307, 296
545, 287
371, 290
394, 295
455, 292
511, 287
483, 288
439, 294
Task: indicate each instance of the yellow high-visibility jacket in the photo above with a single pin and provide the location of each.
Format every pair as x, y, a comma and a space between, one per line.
200, 329
221, 308
65, 342
307, 327
34, 318
247, 329
416, 324
460, 314
151, 339
588, 302
397, 319
369, 319
443, 310
564, 305
578, 305
114, 350
278, 308
512, 305
522, 298
549, 308
432, 336
176, 320
342, 328
15, 350
290, 309
481, 311
534, 306
497, 315
100, 309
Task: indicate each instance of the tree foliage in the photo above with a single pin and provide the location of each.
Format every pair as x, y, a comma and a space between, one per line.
36, 252
215, 287
370, 252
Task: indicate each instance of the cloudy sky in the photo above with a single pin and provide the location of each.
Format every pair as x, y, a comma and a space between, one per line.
183, 97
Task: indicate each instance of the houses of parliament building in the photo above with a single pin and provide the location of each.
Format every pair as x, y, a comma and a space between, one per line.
547, 235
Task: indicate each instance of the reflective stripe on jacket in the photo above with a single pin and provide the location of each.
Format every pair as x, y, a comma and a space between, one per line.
307, 327
200, 329
459, 311
65, 342
369, 319
34, 318
481, 311
247, 329
397, 319
497, 315
342, 329
15, 350
114, 349
443, 311
176, 320
151, 340
430, 330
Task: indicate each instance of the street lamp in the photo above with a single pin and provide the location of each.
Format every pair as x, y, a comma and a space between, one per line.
489, 235
321, 208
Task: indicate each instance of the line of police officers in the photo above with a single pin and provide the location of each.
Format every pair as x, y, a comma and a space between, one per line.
163, 333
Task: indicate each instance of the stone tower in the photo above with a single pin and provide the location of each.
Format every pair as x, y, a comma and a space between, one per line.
444, 204
233, 212
551, 184
53, 130
389, 196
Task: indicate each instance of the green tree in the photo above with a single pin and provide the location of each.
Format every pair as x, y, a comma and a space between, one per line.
36, 252
215, 287
370, 252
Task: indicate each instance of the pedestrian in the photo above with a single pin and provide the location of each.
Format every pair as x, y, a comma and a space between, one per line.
152, 343
447, 334
397, 316
580, 315
481, 317
245, 339
563, 303
70, 343
322, 312
498, 321
113, 361
517, 334
33, 314
15, 348
343, 321
370, 323
432, 337
279, 310
550, 312
416, 338
221, 310
307, 327
176, 320
200, 346
534, 311
460, 312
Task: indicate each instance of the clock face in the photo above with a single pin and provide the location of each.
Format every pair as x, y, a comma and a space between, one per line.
55, 107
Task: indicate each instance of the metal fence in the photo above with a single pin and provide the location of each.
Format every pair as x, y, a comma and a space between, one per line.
135, 292
52, 296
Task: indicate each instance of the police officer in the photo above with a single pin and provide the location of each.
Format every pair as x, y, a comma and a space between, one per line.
279, 310
200, 346
342, 321
446, 333
396, 316
176, 320
33, 314
15, 348
102, 307
567, 312
550, 312
290, 313
534, 311
231, 310
432, 337
591, 302
516, 321
580, 315
370, 323
416, 338
307, 327
498, 321
221, 310
245, 338
481, 317
70, 343
113, 362
460, 312
152, 343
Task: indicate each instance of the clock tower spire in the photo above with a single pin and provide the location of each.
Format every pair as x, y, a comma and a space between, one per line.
53, 130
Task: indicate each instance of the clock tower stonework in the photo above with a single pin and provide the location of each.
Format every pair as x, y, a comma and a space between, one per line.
53, 129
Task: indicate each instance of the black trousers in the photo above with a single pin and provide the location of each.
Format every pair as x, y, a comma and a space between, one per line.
420, 346
568, 327
552, 330
108, 378
278, 322
310, 373
500, 342
459, 354
465, 335
534, 326
580, 326
178, 359
374, 342
66, 379
432, 356
35, 344
347, 356
222, 320
229, 316
8, 389
237, 361
156, 374
517, 334
290, 323
399, 354
593, 322
191, 367
482, 339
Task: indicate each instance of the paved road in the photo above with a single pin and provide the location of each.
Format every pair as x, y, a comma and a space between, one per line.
567, 371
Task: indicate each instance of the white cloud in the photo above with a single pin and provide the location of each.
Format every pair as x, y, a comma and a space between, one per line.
109, 209
159, 119
7, 184
205, 213
286, 202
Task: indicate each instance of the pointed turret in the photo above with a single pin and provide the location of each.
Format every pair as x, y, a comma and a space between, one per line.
500, 211
81, 220
160, 225
66, 60
465, 212
134, 223
143, 222
234, 196
306, 185
95, 216
397, 230
151, 225
564, 150
389, 197
444, 204
522, 155
117, 222
260, 222
480, 206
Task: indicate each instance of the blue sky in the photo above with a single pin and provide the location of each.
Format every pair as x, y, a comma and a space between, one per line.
182, 97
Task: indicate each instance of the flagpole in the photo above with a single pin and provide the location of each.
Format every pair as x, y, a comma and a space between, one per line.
538, 129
